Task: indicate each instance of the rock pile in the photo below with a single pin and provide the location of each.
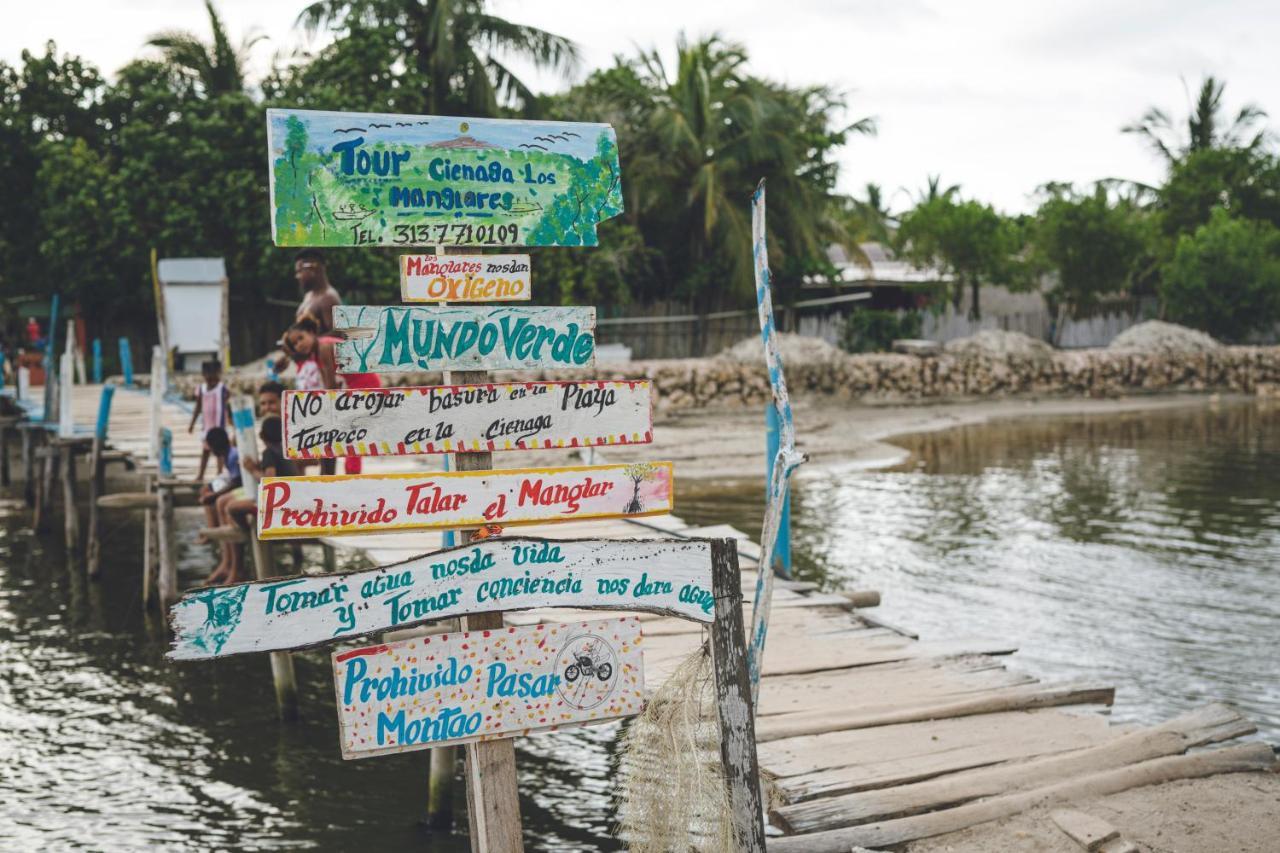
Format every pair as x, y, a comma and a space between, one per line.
999, 344
1157, 336
794, 349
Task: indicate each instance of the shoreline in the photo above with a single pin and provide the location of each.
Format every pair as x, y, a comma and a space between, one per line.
728, 444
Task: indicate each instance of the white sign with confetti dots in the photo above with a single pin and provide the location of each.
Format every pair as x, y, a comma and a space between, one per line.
447, 689
449, 418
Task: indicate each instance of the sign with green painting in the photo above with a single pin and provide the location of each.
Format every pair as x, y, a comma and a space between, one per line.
369, 179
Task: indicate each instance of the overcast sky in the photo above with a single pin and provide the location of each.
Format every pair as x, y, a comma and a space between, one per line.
996, 96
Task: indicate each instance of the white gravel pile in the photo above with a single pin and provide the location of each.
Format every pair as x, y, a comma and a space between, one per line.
795, 350
996, 343
1155, 336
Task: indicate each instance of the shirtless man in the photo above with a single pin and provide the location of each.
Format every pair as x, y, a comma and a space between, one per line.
318, 295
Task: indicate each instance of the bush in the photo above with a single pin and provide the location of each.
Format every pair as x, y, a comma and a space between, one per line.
873, 330
1225, 278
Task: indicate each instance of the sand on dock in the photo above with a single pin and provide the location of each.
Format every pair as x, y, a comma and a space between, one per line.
1231, 813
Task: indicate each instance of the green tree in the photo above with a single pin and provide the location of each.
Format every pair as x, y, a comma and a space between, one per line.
451, 46
1093, 245
968, 240
1244, 182
1225, 278
216, 67
1206, 126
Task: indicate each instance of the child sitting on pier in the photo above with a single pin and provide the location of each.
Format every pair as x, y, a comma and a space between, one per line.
211, 409
270, 399
238, 508
224, 483
317, 370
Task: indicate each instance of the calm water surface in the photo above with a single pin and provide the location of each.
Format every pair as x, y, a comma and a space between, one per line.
1140, 550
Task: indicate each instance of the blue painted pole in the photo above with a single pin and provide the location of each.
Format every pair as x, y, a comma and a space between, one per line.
126, 362
104, 412
50, 363
97, 361
782, 550
2, 371
166, 451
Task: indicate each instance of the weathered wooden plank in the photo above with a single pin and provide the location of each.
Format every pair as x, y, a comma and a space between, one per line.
471, 686
394, 338
465, 278
293, 507
868, 761
830, 719
1084, 829
1236, 759
439, 180
451, 418
1211, 724
670, 576
886, 687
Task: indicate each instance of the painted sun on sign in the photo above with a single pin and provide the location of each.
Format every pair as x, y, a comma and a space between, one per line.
372, 179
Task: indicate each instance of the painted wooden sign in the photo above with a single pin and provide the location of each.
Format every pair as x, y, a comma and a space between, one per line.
667, 576
449, 418
303, 507
481, 685
391, 339
465, 278
356, 179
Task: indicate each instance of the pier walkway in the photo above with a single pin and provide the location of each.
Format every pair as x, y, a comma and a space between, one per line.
868, 737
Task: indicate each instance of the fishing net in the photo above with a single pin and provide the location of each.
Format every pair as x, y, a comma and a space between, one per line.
673, 793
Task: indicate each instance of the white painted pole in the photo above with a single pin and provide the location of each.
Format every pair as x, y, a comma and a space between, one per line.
157, 397
66, 422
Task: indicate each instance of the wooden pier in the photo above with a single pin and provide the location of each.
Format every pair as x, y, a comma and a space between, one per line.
868, 737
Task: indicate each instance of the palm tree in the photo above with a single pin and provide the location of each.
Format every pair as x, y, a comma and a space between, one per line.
454, 46
1206, 127
717, 131
934, 189
217, 67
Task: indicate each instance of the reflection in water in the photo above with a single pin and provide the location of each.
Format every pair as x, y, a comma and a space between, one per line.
106, 746
1136, 549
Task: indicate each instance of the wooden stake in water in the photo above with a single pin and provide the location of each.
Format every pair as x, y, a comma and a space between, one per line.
282, 673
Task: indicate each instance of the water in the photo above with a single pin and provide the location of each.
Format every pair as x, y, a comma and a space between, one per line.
105, 746
1140, 550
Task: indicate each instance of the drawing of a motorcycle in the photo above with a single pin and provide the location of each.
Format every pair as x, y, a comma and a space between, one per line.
587, 667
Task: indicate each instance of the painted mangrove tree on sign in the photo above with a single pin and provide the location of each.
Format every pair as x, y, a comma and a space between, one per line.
352, 179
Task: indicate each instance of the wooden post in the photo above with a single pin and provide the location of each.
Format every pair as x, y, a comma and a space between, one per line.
149, 550
48, 456
168, 579
225, 336
50, 366
97, 470
493, 800
157, 399
4, 453
28, 466
282, 673
733, 699
70, 515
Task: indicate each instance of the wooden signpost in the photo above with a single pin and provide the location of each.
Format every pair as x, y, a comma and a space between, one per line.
450, 689
305, 507
394, 339
370, 179
451, 418
341, 179
464, 278
667, 576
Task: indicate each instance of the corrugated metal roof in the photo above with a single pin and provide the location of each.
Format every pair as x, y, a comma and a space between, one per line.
192, 270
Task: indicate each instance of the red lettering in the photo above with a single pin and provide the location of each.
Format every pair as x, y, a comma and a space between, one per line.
276, 495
